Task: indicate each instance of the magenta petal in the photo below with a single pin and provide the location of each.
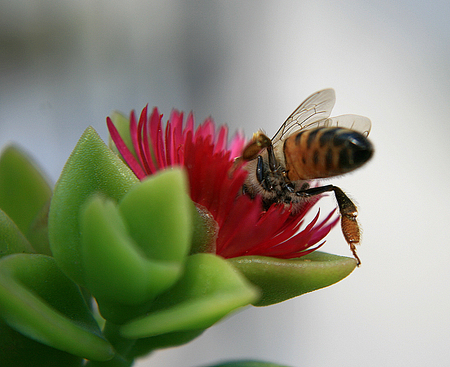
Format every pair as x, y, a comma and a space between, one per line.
134, 136
237, 144
144, 148
189, 126
169, 145
221, 141
174, 136
124, 151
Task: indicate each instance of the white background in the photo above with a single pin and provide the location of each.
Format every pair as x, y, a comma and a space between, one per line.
66, 65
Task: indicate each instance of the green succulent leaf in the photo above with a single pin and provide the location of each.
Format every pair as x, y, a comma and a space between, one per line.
91, 168
205, 232
209, 289
158, 213
24, 190
145, 345
40, 302
11, 238
281, 279
18, 350
117, 269
38, 232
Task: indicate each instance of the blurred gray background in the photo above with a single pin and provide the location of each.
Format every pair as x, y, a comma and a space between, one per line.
65, 65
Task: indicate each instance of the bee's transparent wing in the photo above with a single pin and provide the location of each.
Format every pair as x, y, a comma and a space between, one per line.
309, 114
354, 122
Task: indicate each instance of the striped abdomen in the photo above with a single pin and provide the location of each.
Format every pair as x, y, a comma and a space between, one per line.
325, 152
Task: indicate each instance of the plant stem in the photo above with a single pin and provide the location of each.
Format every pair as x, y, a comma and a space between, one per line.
121, 345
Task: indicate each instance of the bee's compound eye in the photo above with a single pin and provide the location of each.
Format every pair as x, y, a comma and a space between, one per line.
260, 171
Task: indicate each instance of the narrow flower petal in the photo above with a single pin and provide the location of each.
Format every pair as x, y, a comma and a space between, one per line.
134, 136
149, 154
221, 141
237, 144
124, 151
157, 140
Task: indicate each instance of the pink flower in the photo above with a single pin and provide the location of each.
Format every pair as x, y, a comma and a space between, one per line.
244, 227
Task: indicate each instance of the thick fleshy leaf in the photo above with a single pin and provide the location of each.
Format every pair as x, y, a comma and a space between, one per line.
23, 188
206, 230
144, 346
18, 350
248, 364
91, 168
117, 269
281, 279
11, 239
38, 233
158, 214
39, 301
209, 289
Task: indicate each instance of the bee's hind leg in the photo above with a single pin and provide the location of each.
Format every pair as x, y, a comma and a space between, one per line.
348, 212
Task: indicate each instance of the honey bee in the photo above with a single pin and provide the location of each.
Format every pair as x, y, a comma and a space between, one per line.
308, 146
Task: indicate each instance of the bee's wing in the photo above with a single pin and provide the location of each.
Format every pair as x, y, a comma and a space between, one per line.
354, 122
309, 114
